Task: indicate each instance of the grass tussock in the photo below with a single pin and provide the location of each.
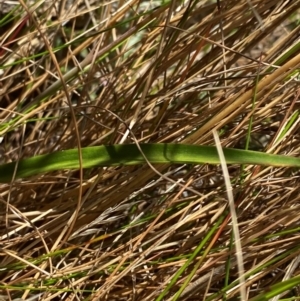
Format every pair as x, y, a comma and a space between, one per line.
84, 73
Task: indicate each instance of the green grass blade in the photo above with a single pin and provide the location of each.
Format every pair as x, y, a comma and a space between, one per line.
114, 155
277, 289
207, 237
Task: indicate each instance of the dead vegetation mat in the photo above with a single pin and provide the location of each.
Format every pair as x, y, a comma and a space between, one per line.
171, 73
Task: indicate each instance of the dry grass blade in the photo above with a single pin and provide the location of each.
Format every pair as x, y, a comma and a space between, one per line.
143, 71
235, 226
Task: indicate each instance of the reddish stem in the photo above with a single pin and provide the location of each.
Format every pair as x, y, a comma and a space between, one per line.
14, 34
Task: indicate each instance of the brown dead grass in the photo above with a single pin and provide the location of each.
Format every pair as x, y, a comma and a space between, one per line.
122, 233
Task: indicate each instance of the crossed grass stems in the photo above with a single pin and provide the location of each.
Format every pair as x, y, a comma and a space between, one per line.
172, 79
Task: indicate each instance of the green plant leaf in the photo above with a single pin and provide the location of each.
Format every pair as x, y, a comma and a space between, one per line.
114, 155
